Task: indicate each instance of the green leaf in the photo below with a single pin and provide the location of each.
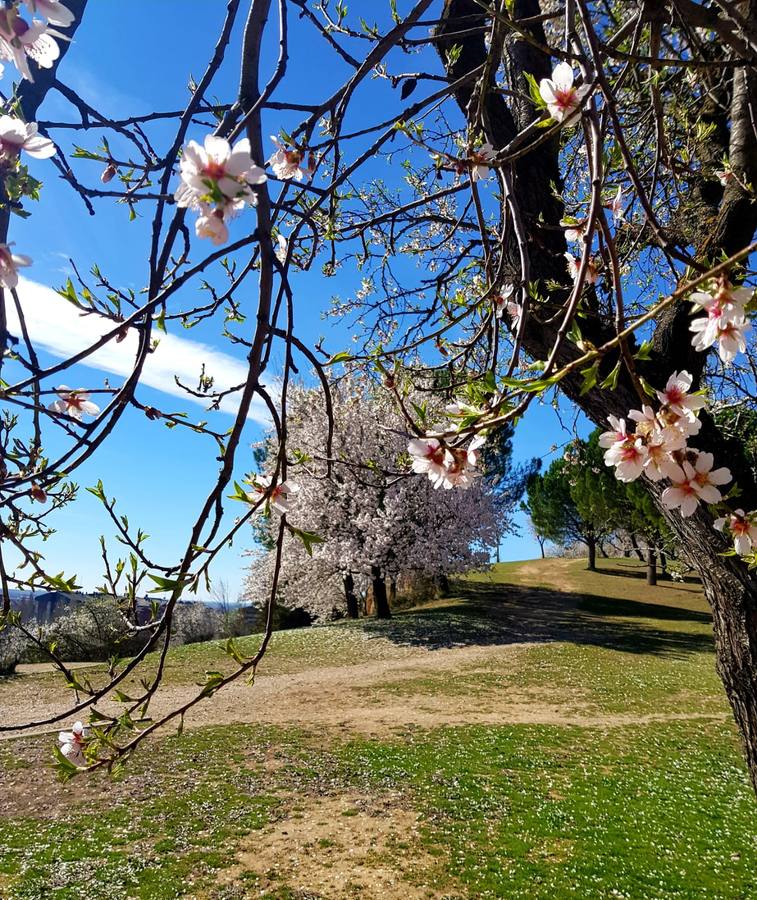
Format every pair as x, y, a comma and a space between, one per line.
342, 356
533, 89
213, 680
644, 351
590, 378
611, 381
168, 584
308, 538
66, 769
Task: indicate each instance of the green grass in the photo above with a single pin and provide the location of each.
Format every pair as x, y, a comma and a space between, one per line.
648, 809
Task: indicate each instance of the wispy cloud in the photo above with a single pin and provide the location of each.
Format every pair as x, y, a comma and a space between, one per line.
59, 328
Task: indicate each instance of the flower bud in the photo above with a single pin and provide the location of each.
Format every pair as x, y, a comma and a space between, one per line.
109, 173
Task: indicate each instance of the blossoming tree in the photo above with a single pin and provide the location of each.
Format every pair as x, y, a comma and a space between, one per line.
372, 520
527, 196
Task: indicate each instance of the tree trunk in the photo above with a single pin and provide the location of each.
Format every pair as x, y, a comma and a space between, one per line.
602, 550
636, 548
651, 565
392, 592
729, 586
663, 561
591, 543
350, 596
541, 547
380, 599
442, 585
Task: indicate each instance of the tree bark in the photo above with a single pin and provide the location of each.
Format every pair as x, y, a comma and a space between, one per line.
651, 565
636, 548
730, 588
350, 596
591, 543
380, 599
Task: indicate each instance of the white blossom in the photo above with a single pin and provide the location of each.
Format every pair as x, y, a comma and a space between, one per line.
10, 263
74, 403
562, 97
17, 135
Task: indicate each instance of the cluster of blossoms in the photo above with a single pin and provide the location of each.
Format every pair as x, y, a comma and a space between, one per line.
21, 40
446, 467
15, 136
216, 181
743, 527
725, 323
658, 448
73, 743
278, 498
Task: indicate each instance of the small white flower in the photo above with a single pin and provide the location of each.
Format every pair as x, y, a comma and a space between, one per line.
479, 160
218, 174
72, 744
53, 10
74, 403
427, 455
17, 135
743, 527
211, 225
574, 231
574, 265
278, 497
562, 97
288, 163
21, 41
282, 248
10, 263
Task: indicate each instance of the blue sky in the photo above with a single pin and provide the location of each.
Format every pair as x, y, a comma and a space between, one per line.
133, 64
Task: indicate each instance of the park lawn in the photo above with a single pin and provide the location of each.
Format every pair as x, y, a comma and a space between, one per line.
647, 797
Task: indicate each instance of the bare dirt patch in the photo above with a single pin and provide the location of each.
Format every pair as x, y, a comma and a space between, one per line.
342, 848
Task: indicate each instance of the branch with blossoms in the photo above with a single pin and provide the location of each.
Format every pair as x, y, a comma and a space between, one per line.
505, 220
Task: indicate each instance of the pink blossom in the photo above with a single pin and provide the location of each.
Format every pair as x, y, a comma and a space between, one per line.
458, 469
74, 403
278, 497
216, 173
479, 160
619, 433
290, 163
682, 493
616, 206
743, 527
574, 231
628, 457
53, 10
10, 263
562, 97
574, 265
20, 41
17, 135
428, 456
72, 744
706, 480
676, 396
211, 225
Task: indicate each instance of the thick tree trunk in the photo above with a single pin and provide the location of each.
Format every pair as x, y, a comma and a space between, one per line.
442, 585
651, 565
350, 596
380, 599
591, 543
636, 548
729, 587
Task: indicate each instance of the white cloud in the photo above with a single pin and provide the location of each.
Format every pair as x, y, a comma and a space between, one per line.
59, 328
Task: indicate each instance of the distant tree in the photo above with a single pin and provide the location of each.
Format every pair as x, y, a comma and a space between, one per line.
506, 482
556, 516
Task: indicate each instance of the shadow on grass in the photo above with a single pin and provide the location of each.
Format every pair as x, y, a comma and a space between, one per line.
495, 614
640, 572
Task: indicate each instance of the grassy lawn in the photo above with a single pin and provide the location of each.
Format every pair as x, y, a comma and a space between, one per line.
646, 797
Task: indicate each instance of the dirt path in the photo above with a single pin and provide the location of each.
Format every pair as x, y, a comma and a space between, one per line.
364, 698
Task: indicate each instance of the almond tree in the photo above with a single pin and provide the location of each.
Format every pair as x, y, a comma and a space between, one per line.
366, 524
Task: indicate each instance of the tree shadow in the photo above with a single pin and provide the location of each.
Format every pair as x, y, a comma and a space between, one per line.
496, 615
